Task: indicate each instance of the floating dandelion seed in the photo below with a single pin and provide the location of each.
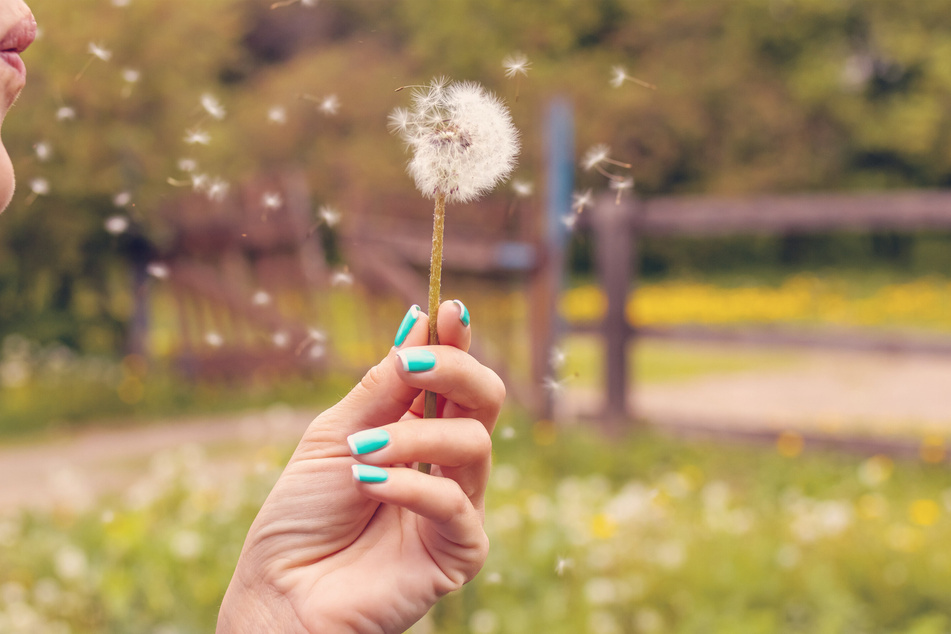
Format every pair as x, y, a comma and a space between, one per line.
314, 339
116, 225
43, 151
563, 565
65, 113
218, 190
212, 106
621, 185
516, 65
281, 339
96, 51
463, 144
580, 200
619, 76
214, 340
522, 189
131, 77
261, 298
158, 270
277, 115
557, 357
287, 3
272, 201
570, 221
342, 277
329, 105
329, 215
187, 164
197, 136
596, 156
38, 187
122, 199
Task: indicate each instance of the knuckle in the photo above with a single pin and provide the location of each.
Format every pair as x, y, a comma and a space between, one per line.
373, 379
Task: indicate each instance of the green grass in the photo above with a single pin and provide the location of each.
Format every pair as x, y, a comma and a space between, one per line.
640, 534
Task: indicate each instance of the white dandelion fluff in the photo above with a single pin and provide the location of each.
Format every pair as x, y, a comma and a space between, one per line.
116, 225
329, 215
218, 190
121, 199
65, 113
212, 106
277, 115
621, 185
581, 200
619, 76
523, 189
187, 164
462, 139
272, 200
43, 151
329, 105
158, 270
131, 75
40, 186
99, 52
214, 340
197, 136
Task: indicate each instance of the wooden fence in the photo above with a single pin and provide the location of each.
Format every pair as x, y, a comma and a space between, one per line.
618, 227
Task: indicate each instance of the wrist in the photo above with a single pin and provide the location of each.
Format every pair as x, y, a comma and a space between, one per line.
255, 607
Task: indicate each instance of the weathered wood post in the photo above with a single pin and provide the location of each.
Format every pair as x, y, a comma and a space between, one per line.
613, 226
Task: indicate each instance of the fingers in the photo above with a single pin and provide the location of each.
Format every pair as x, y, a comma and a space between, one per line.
452, 325
470, 389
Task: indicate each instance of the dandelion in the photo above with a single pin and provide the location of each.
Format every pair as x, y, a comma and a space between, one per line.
329, 215
65, 113
96, 51
197, 136
516, 65
212, 106
463, 144
116, 225
619, 76
277, 115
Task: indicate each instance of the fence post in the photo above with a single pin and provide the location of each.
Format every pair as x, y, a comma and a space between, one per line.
615, 257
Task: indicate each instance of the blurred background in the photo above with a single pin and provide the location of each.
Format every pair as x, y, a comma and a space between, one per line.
717, 287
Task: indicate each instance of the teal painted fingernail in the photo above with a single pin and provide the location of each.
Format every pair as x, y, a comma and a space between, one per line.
415, 360
463, 312
367, 473
367, 441
409, 320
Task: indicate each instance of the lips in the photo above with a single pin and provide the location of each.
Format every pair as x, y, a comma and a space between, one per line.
15, 42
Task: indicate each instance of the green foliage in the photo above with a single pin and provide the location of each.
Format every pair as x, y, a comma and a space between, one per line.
641, 534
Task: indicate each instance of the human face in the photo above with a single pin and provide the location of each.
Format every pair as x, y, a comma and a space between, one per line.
17, 31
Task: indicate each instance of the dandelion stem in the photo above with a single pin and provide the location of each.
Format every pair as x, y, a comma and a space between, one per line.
435, 280
83, 70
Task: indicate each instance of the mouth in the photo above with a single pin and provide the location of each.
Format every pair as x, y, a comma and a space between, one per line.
15, 41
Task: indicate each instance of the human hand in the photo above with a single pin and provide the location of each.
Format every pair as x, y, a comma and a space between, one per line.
329, 553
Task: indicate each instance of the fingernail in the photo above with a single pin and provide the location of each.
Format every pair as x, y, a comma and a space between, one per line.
367, 473
409, 320
367, 441
415, 360
463, 312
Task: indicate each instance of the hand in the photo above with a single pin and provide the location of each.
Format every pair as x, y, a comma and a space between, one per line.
329, 553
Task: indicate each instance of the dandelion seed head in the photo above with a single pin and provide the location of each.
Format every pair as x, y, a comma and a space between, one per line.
329, 105
40, 186
595, 156
462, 139
98, 51
212, 106
65, 113
523, 189
43, 151
197, 136
329, 215
516, 64
116, 225
272, 200
277, 115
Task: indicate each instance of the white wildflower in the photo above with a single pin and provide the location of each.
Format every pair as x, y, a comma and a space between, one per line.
462, 139
40, 186
65, 113
212, 106
516, 64
98, 51
197, 136
329, 215
116, 225
277, 115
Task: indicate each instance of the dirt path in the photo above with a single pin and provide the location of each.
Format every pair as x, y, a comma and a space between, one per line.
847, 393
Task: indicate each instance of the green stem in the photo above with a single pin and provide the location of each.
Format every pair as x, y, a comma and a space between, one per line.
435, 280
